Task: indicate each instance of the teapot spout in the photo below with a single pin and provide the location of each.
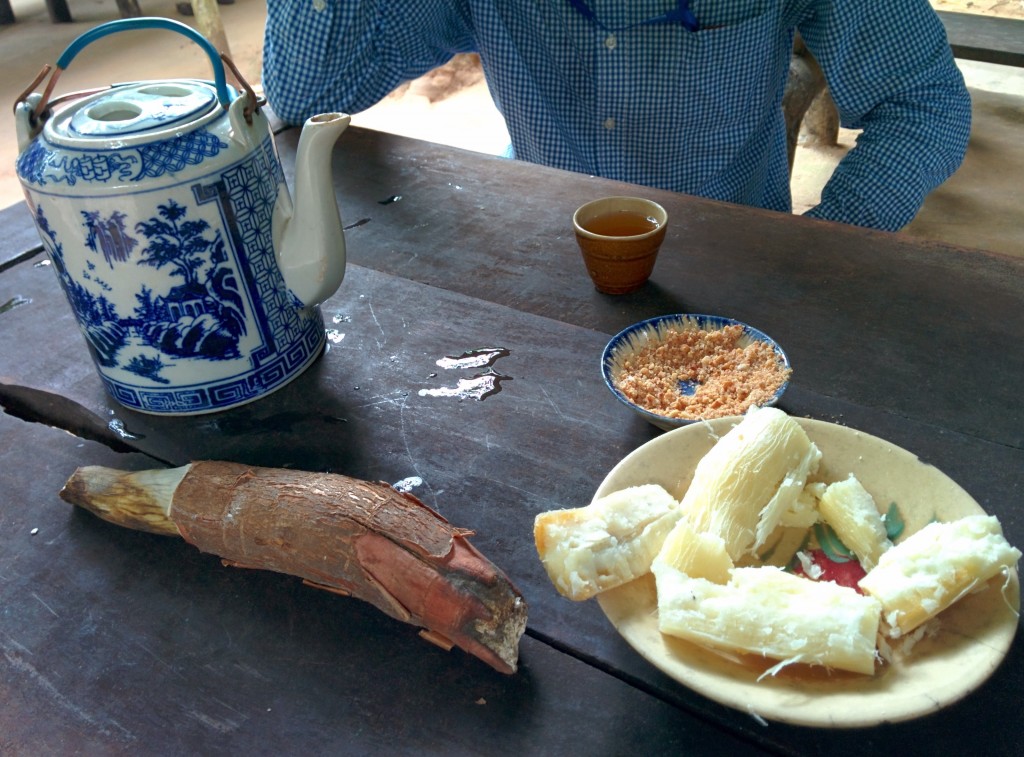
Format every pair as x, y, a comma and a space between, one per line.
308, 236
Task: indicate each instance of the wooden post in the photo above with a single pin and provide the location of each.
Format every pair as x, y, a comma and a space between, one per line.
207, 15
59, 12
129, 8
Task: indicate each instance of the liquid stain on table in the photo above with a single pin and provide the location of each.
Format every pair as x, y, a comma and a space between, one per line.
478, 387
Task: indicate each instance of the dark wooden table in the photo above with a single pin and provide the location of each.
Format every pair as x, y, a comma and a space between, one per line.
113, 641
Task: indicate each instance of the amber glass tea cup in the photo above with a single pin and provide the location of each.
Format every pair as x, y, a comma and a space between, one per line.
619, 238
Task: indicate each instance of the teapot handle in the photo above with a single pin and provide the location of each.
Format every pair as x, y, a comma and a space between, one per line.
127, 24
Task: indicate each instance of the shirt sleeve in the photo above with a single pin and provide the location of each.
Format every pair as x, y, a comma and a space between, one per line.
346, 55
891, 73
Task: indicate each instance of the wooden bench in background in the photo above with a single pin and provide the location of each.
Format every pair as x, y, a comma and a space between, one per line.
987, 39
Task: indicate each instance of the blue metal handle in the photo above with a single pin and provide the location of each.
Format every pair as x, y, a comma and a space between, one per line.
128, 24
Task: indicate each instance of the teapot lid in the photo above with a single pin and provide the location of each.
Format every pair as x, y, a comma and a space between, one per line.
137, 109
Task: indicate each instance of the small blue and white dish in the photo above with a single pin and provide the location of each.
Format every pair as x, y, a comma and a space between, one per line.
627, 342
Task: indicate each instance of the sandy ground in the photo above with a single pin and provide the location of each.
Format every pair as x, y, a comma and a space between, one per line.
1004, 8
979, 207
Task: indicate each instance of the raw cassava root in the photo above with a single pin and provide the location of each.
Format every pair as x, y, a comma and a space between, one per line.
355, 538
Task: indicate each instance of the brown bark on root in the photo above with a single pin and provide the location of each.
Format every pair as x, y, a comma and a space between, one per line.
352, 537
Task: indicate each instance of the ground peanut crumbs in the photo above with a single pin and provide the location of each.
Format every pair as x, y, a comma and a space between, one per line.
728, 378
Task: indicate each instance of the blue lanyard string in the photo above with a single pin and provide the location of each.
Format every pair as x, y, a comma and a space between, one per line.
681, 14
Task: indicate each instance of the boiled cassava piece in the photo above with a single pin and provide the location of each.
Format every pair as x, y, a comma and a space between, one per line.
352, 537
933, 568
753, 475
768, 612
611, 541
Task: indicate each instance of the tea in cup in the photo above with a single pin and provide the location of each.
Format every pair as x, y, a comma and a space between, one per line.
619, 238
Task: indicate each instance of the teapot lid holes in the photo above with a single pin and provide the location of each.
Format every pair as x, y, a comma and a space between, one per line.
136, 109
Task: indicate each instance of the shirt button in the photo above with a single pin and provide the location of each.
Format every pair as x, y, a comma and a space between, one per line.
609, 123
610, 42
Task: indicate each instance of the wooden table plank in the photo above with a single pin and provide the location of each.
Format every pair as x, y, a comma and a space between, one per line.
848, 305
21, 237
447, 268
544, 441
113, 640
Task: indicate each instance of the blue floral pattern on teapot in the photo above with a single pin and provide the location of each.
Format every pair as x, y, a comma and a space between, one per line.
163, 206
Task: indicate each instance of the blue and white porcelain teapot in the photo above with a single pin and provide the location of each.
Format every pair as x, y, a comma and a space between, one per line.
162, 204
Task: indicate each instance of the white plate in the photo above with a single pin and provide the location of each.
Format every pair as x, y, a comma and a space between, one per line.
974, 635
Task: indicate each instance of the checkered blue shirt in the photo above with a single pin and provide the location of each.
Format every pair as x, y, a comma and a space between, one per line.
689, 111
